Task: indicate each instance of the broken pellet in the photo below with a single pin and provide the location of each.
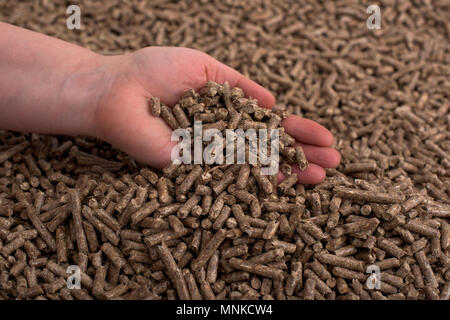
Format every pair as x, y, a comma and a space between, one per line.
165, 211
251, 200
388, 263
412, 203
286, 246
98, 285
61, 271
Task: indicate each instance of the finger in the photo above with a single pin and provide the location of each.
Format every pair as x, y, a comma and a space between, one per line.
149, 146
322, 156
149, 141
312, 175
307, 131
220, 73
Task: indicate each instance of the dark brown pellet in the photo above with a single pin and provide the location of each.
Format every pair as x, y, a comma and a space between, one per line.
77, 221
343, 262
174, 272
274, 274
114, 255
209, 249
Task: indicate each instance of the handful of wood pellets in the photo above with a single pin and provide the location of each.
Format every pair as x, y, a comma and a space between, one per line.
220, 231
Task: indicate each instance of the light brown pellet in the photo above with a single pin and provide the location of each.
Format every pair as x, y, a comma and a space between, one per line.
363, 195
300, 158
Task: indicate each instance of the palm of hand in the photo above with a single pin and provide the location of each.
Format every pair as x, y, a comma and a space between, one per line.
122, 114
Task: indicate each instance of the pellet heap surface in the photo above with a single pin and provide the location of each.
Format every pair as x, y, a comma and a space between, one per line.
383, 93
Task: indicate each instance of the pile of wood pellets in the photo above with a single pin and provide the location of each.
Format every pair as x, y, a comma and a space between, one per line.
228, 232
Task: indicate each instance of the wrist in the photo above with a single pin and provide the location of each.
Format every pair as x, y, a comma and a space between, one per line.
49, 86
86, 84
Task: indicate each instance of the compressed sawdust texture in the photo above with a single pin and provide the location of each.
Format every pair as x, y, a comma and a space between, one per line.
383, 94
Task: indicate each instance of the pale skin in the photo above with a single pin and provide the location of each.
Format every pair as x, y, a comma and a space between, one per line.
53, 87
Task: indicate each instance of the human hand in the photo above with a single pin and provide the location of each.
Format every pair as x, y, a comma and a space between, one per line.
121, 115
